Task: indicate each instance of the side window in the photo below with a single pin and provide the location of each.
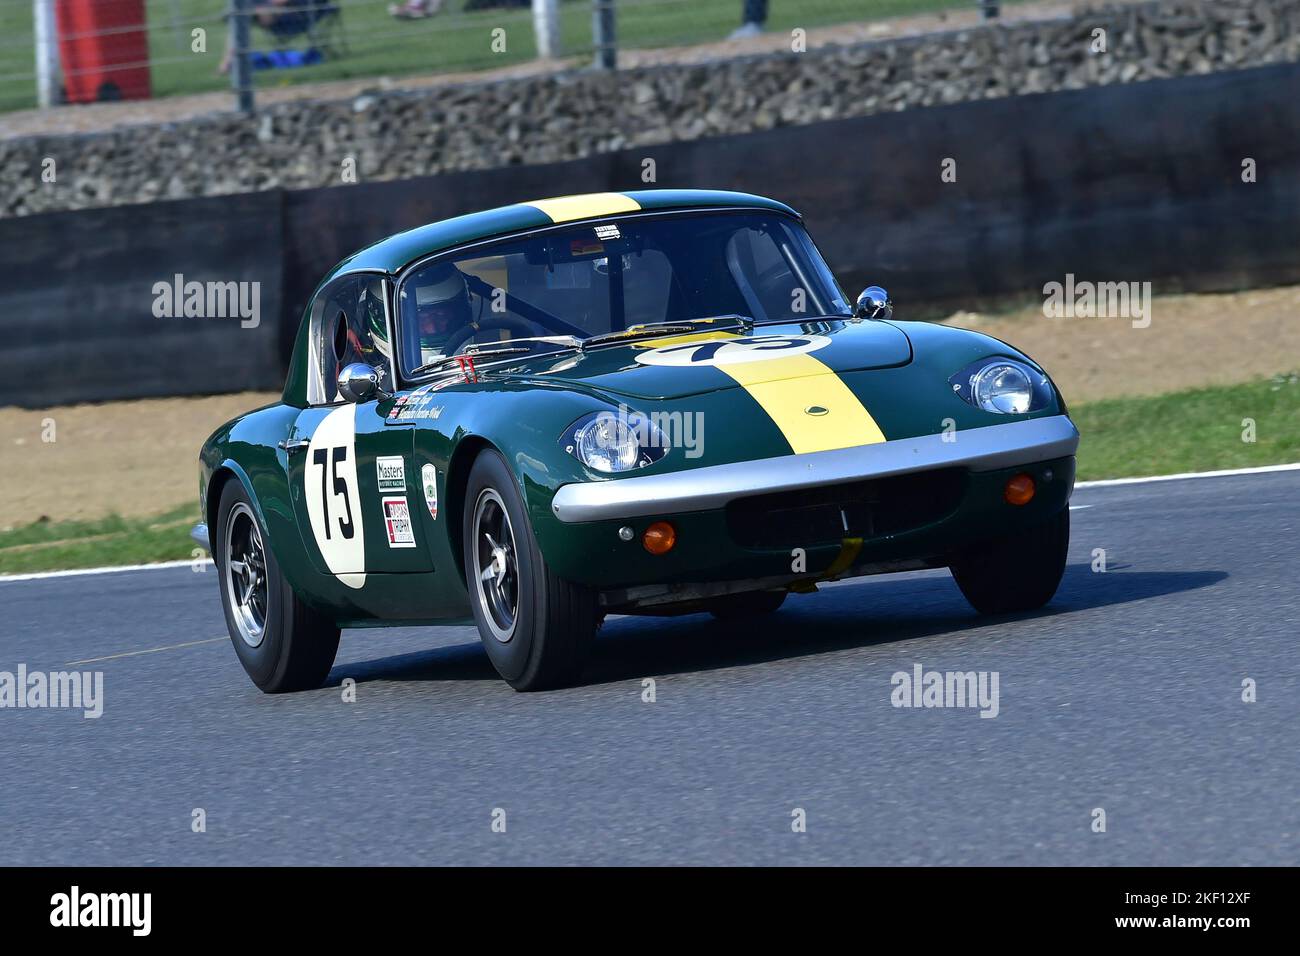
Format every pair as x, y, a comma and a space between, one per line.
349, 325
439, 301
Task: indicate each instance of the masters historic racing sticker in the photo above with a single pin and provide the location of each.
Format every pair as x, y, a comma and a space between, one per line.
397, 522
429, 479
391, 472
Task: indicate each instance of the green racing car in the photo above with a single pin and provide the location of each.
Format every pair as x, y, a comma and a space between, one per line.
653, 402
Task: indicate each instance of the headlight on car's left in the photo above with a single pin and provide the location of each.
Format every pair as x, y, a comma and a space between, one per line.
614, 442
1003, 386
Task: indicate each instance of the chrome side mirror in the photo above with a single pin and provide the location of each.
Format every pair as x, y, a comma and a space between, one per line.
359, 382
873, 303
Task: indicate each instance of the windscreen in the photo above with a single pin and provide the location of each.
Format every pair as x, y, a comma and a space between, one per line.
591, 279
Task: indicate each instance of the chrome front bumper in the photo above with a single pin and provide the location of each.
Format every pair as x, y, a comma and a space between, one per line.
704, 489
200, 535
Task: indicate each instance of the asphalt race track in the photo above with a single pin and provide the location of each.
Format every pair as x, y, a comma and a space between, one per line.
1124, 694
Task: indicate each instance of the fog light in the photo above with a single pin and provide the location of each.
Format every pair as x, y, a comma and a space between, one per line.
659, 538
1019, 490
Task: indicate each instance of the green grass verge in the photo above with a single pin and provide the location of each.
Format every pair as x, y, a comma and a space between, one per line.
1198, 430
56, 545
452, 41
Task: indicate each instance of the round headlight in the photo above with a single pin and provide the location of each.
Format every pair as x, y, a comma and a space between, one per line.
1003, 387
607, 444
610, 442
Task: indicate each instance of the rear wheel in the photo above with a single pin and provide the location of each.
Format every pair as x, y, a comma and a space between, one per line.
1019, 572
739, 607
283, 644
536, 627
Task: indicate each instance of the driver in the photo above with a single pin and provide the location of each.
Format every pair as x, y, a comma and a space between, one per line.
442, 308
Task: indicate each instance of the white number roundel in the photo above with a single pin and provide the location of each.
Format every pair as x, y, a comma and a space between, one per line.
333, 496
749, 348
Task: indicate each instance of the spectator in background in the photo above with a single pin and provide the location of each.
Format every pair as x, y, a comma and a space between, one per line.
415, 9
275, 16
753, 16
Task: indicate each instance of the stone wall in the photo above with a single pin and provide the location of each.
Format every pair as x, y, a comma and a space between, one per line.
398, 135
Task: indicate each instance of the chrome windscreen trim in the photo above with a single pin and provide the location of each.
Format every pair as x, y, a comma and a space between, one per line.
703, 489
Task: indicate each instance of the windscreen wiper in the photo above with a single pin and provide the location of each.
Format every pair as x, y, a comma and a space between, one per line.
659, 329
482, 350
449, 360
566, 341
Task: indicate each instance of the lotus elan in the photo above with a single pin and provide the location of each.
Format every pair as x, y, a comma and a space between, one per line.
653, 402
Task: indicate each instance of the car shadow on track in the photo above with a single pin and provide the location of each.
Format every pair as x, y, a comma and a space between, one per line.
858, 613
458, 662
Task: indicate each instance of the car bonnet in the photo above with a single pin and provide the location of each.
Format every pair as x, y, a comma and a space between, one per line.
683, 365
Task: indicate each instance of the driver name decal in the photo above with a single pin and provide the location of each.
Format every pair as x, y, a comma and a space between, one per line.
417, 405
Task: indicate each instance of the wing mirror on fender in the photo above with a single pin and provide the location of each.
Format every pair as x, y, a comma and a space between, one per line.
359, 382
874, 303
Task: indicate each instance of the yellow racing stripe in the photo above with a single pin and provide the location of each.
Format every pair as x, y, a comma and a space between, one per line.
589, 206
787, 388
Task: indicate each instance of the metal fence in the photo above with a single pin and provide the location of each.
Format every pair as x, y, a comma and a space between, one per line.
71, 51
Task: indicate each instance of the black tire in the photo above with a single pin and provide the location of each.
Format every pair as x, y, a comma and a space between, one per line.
1020, 572
545, 641
297, 644
739, 607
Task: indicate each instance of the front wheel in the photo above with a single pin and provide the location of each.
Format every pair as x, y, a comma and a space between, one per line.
1019, 572
283, 644
536, 627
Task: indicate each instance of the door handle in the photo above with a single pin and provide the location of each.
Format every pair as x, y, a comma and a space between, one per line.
292, 446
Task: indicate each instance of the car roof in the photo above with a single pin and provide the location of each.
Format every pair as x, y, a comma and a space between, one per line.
392, 254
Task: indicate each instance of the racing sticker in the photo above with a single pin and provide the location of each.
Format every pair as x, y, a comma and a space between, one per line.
333, 502
391, 471
732, 350
397, 522
417, 405
429, 479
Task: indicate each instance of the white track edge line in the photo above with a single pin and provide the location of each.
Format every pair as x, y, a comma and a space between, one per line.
75, 572
1105, 483
1228, 473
